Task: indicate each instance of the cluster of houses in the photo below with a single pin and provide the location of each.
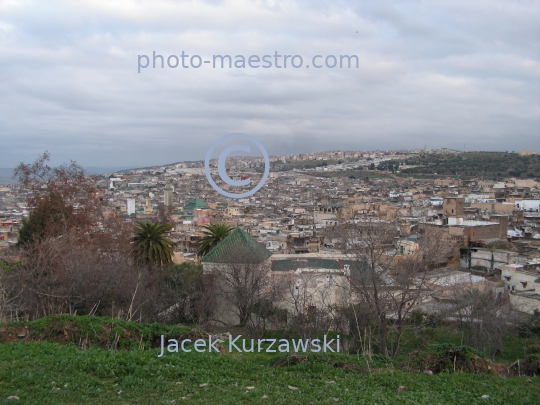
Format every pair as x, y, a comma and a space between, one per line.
492, 229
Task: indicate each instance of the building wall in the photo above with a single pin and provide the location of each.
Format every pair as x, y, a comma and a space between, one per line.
518, 279
483, 232
488, 259
300, 290
527, 205
524, 303
498, 208
453, 207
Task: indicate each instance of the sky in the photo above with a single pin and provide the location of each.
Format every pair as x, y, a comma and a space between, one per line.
458, 74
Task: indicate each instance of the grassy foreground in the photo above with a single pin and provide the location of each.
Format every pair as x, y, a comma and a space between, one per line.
45, 372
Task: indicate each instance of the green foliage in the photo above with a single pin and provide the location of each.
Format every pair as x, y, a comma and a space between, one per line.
213, 234
151, 245
445, 347
53, 373
531, 363
49, 373
424, 320
446, 358
534, 348
103, 332
300, 164
530, 327
493, 165
6, 268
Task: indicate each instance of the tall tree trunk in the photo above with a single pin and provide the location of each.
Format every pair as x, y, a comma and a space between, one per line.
383, 333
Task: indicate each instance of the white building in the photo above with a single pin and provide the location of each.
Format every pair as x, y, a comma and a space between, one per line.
130, 206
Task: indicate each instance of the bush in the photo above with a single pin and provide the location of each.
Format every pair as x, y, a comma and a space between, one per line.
530, 327
531, 365
448, 359
86, 331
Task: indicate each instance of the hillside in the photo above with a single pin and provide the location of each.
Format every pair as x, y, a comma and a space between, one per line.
64, 360
489, 165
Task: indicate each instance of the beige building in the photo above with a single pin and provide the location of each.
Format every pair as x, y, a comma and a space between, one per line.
523, 284
527, 152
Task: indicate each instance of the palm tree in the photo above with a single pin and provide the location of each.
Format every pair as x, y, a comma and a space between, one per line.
213, 234
151, 245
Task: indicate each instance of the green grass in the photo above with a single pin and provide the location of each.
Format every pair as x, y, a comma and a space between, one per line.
514, 348
105, 332
446, 334
51, 373
51, 368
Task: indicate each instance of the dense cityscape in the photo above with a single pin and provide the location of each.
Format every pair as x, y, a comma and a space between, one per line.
493, 234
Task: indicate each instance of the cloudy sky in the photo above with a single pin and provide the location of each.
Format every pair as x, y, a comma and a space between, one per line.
453, 73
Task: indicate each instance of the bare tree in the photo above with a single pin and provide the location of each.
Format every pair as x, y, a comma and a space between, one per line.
246, 285
61, 199
313, 301
484, 317
387, 284
186, 294
74, 256
11, 306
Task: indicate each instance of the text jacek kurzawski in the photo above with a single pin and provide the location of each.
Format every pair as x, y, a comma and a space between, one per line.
250, 345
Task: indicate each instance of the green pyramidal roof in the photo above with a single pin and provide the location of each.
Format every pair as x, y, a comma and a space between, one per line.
196, 203
237, 247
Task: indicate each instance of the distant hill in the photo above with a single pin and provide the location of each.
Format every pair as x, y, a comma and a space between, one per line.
103, 170
489, 165
6, 175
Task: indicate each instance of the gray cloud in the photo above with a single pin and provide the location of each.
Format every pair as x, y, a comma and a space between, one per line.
441, 73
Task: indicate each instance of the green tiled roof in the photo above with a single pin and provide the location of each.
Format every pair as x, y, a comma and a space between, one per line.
237, 246
537, 280
196, 203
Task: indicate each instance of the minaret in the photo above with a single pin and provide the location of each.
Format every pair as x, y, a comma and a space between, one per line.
453, 210
148, 208
168, 197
